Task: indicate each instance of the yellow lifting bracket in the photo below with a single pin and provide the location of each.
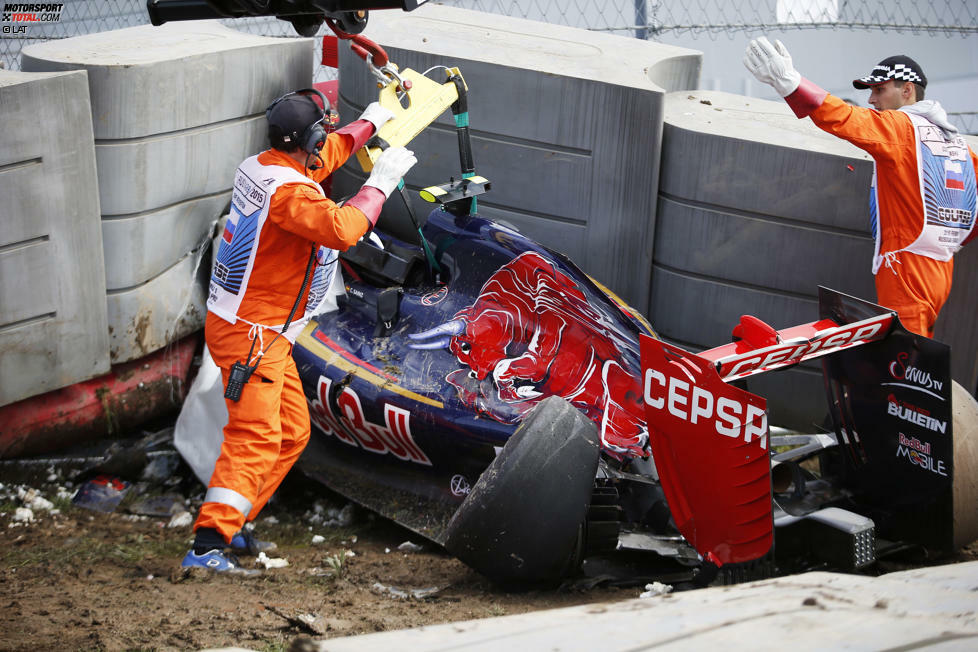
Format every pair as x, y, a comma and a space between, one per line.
425, 98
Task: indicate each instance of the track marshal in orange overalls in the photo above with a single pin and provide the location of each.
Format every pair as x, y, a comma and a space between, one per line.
273, 269
923, 198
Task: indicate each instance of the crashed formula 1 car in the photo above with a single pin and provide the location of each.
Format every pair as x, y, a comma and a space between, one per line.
519, 414
481, 390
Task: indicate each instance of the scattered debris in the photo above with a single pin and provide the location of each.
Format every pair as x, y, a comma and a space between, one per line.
408, 546
655, 589
402, 594
168, 504
33, 499
161, 467
271, 562
317, 539
23, 515
344, 518
128, 458
103, 493
316, 571
183, 519
312, 623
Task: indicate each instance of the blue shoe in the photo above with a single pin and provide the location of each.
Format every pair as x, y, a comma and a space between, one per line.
244, 541
217, 561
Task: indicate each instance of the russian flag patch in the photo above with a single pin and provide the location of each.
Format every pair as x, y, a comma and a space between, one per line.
953, 175
229, 231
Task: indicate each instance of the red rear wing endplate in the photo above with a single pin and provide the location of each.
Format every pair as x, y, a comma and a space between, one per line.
709, 439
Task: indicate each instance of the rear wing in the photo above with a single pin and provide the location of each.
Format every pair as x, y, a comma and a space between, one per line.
710, 439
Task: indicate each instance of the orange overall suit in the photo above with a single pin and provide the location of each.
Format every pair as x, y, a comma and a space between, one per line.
916, 280
268, 241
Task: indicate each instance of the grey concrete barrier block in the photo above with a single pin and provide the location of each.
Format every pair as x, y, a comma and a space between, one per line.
175, 109
756, 210
752, 155
147, 174
52, 276
762, 250
146, 318
144, 245
565, 123
150, 80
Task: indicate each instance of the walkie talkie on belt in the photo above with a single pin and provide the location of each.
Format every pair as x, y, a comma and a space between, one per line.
241, 373
237, 379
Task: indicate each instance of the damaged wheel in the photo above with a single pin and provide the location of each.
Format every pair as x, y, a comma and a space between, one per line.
965, 492
520, 522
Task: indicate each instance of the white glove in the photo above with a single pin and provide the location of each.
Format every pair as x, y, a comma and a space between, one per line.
376, 114
391, 165
771, 64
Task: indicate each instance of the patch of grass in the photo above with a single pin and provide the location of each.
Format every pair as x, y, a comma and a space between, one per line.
336, 562
88, 551
64, 504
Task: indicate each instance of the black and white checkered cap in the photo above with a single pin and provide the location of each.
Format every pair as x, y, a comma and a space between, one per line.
899, 68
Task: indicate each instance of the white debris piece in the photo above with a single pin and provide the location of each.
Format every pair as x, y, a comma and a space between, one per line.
408, 546
181, 519
33, 499
317, 539
350, 553
271, 562
654, 589
270, 520
392, 591
314, 515
342, 518
308, 619
24, 515
402, 594
41, 504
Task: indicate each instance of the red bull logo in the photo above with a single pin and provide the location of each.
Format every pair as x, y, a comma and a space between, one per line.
530, 334
351, 426
919, 454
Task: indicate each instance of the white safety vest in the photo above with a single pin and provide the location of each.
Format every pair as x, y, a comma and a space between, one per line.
946, 177
254, 185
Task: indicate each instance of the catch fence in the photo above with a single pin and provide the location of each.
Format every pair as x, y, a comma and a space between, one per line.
648, 19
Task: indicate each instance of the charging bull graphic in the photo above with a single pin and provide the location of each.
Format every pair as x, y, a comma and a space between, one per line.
531, 334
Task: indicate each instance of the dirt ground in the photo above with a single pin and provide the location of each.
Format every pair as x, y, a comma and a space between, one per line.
77, 579
85, 580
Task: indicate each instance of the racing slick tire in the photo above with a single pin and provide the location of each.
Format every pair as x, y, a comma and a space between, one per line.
965, 491
519, 525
